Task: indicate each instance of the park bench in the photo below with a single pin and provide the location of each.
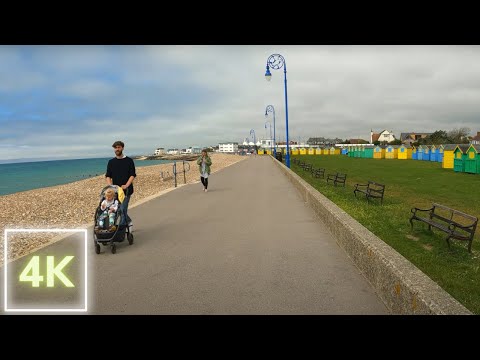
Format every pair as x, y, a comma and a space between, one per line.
307, 167
337, 178
442, 217
319, 173
371, 190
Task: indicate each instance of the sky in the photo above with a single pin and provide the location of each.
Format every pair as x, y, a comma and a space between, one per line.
75, 101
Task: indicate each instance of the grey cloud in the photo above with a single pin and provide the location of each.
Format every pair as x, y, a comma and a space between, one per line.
199, 95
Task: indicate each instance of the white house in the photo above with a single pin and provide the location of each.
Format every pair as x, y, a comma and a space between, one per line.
266, 143
194, 150
476, 139
230, 147
172, 151
159, 151
385, 135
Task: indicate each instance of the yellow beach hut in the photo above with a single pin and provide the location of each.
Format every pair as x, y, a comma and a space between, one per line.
405, 152
334, 150
379, 152
447, 161
391, 152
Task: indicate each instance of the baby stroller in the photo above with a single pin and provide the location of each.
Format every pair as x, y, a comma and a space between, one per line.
104, 231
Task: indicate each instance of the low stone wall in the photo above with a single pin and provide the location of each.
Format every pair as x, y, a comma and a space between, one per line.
402, 286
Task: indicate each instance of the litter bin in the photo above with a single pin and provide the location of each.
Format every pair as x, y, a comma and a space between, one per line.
278, 156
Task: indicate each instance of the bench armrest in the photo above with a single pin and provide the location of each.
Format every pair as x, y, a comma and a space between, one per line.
415, 209
454, 226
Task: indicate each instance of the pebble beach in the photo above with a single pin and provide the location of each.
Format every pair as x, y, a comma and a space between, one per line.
42, 209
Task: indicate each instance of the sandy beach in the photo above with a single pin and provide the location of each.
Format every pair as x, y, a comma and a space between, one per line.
45, 208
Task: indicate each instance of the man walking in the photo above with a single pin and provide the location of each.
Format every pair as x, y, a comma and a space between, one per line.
121, 172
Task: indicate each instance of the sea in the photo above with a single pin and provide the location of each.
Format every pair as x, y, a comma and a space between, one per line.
16, 177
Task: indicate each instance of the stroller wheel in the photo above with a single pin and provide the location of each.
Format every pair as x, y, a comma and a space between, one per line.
114, 249
97, 248
130, 238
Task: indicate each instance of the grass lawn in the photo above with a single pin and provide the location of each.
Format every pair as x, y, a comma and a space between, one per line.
410, 183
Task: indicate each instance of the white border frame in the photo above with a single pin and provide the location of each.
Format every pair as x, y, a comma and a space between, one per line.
5, 252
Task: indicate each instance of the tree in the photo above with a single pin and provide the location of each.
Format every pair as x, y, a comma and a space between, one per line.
439, 137
459, 136
376, 143
396, 142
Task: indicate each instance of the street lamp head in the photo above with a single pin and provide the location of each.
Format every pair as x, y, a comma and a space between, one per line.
268, 74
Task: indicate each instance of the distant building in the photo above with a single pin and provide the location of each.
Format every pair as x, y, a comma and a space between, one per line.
172, 151
383, 136
229, 147
476, 139
159, 151
323, 141
410, 138
266, 143
194, 150
358, 141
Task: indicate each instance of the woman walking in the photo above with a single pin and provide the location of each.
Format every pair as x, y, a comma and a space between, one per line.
204, 162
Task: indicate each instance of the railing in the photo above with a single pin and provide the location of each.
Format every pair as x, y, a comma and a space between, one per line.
186, 168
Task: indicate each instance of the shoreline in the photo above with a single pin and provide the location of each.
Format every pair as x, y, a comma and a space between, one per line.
39, 208
185, 157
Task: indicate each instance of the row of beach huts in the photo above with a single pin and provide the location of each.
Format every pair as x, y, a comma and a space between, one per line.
459, 157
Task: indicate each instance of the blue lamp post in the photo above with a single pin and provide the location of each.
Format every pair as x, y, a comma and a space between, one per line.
276, 61
269, 123
268, 109
254, 140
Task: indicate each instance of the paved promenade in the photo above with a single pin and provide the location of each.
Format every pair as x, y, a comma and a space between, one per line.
248, 246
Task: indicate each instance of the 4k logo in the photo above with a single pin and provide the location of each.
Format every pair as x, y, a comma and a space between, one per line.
32, 272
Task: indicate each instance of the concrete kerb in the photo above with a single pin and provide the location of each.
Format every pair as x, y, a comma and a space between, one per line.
400, 285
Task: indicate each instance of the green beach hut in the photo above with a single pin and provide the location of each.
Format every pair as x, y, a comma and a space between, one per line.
368, 152
472, 159
459, 155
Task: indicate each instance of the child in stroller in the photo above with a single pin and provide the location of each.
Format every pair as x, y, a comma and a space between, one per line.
108, 227
109, 206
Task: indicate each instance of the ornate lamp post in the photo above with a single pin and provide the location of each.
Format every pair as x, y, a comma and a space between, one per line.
276, 62
254, 140
268, 109
270, 134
